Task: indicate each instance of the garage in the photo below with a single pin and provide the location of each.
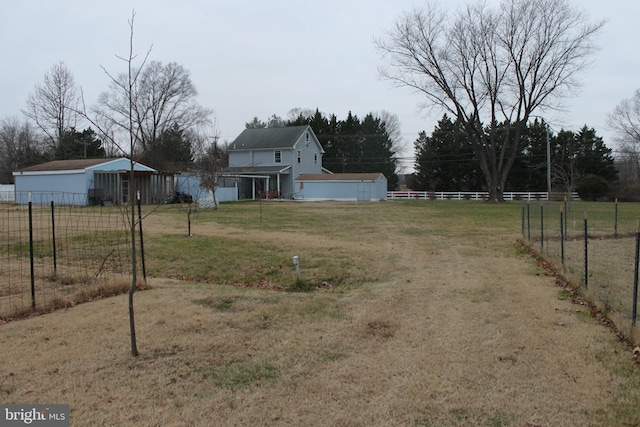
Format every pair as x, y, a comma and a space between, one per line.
341, 186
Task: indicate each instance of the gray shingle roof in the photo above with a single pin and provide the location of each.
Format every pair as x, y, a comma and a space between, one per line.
268, 138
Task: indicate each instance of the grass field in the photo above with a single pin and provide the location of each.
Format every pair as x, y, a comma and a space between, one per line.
423, 313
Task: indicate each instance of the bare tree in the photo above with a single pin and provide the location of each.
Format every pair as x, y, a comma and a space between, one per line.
53, 104
210, 158
142, 104
489, 66
128, 89
20, 146
625, 119
162, 98
625, 122
393, 128
299, 112
110, 129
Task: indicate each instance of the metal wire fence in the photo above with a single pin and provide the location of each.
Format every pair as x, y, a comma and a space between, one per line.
595, 245
55, 254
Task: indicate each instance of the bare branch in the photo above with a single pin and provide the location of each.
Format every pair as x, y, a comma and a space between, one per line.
485, 66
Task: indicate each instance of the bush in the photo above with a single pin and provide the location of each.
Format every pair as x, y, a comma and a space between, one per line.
627, 191
594, 188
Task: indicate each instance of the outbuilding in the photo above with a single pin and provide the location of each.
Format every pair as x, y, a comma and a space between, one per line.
342, 186
90, 181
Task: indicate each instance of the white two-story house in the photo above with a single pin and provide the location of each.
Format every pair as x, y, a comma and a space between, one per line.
266, 162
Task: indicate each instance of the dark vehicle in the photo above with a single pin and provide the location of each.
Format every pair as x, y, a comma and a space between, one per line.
178, 197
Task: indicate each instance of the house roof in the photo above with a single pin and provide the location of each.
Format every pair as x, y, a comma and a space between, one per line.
256, 170
339, 177
268, 138
61, 165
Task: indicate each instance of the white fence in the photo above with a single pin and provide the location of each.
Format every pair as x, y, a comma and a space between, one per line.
474, 195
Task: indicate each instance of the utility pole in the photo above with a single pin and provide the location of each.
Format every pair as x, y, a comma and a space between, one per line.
548, 163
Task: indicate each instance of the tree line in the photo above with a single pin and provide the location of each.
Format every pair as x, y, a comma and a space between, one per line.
578, 161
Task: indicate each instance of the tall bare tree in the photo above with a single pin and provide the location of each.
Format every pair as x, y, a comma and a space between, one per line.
625, 122
53, 104
141, 105
111, 129
162, 98
625, 119
486, 66
127, 86
20, 146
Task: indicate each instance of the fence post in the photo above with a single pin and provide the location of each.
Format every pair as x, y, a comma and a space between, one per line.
541, 227
615, 228
528, 221
562, 237
586, 251
144, 271
566, 215
53, 238
523, 211
33, 277
635, 277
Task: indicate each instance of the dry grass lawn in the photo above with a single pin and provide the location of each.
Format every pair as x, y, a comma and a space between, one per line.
456, 327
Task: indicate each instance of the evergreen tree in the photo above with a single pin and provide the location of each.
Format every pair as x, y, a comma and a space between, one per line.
564, 157
79, 145
256, 123
445, 161
172, 151
529, 171
594, 157
376, 150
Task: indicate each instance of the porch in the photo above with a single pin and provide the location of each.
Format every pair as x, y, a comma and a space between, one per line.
112, 187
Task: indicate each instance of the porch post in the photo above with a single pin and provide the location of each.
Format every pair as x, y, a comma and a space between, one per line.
253, 188
278, 189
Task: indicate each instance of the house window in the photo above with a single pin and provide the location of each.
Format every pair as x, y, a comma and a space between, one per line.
278, 156
315, 158
299, 156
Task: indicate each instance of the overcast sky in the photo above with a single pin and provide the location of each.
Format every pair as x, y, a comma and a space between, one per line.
258, 58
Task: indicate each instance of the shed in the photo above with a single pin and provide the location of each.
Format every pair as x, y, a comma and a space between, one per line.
89, 181
342, 186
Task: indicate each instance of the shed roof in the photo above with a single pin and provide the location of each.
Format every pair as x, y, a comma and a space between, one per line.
62, 165
58, 167
256, 170
339, 177
268, 138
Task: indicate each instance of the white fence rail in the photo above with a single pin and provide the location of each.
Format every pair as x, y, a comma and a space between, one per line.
475, 195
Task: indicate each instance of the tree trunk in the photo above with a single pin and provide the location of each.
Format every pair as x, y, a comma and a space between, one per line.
134, 273
495, 187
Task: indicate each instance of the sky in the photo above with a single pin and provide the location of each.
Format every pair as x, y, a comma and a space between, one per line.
257, 58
